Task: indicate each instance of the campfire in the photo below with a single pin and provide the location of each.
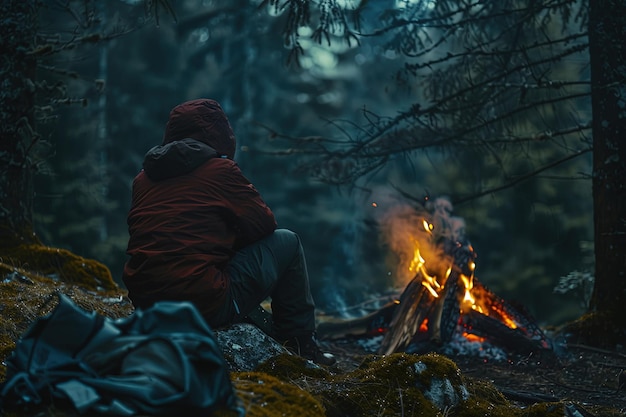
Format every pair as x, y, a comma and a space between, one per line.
444, 301
443, 307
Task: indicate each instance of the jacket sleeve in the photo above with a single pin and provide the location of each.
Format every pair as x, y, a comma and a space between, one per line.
253, 219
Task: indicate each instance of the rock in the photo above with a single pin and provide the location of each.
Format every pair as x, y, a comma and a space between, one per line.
444, 387
245, 346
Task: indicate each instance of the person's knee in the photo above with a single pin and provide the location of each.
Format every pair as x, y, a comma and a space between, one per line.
287, 237
286, 242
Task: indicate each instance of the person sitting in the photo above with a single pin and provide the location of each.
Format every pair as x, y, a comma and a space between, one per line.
200, 232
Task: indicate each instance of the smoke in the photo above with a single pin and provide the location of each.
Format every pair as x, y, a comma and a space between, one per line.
406, 228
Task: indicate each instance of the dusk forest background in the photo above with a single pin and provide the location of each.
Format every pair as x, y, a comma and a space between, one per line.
303, 107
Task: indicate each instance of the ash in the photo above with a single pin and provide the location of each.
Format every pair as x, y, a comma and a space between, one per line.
458, 346
461, 346
370, 344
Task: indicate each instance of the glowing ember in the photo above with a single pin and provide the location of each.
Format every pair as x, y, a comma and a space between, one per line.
504, 317
473, 338
424, 325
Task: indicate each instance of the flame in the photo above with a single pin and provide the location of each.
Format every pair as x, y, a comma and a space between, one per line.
472, 298
468, 282
417, 262
429, 281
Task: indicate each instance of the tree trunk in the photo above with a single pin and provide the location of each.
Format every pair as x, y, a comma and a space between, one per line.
607, 31
18, 28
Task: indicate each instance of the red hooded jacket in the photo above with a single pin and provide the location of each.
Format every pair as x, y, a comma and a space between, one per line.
192, 209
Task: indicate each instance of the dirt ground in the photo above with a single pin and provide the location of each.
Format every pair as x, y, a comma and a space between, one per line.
587, 376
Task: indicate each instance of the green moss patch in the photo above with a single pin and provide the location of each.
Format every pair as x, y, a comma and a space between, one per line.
32, 275
600, 329
391, 385
399, 384
61, 265
287, 366
265, 396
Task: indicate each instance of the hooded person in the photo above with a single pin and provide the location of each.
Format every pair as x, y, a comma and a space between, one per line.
200, 232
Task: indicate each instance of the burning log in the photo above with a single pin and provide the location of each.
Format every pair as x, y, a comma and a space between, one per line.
423, 323
508, 327
420, 319
435, 306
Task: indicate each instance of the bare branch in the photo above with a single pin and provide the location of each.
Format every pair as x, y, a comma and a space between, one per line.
521, 178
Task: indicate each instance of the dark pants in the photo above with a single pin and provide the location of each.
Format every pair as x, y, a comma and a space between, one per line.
273, 267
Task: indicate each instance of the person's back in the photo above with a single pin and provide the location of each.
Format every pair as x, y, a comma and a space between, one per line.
200, 231
192, 208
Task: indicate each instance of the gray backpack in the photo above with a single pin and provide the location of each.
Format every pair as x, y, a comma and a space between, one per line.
161, 361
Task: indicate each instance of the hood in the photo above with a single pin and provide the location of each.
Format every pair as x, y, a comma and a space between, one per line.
203, 120
176, 158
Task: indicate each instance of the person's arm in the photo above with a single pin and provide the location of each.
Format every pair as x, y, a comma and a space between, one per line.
253, 218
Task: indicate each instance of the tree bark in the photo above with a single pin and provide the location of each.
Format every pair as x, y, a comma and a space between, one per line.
18, 28
607, 31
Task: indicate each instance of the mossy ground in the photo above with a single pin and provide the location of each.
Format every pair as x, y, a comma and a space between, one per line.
265, 395
599, 329
391, 385
59, 264
30, 276
286, 385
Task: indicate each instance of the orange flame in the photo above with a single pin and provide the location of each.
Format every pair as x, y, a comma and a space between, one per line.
471, 300
429, 281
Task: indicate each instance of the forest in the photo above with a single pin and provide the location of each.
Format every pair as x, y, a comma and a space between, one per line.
346, 113
497, 120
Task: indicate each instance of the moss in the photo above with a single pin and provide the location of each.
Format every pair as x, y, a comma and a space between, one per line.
486, 391
386, 386
60, 264
600, 329
398, 384
382, 385
30, 276
485, 400
407, 369
264, 396
20, 306
286, 367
